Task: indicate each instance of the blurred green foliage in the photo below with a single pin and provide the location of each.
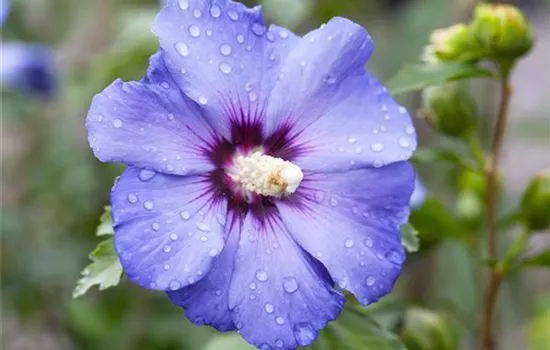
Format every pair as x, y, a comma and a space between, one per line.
54, 190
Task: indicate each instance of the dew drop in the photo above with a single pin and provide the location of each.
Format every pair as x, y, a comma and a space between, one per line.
203, 100
377, 147
283, 33
304, 333
184, 4
100, 118
165, 85
190, 233
185, 215
333, 202
394, 257
132, 198
204, 238
319, 196
240, 39
146, 175
167, 249
252, 286
225, 68
261, 275
215, 11
290, 285
174, 237
174, 285
170, 116
197, 13
155, 226
166, 267
148, 205
409, 130
370, 281
252, 96
403, 142
213, 252
252, 296
349, 243
225, 49
152, 285
352, 140
269, 308
368, 242
218, 292
194, 31
233, 15
182, 49
117, 123
280, 320
204, 227
378, 163
279, 343
358, 150
270, 36
402, 110
258, 29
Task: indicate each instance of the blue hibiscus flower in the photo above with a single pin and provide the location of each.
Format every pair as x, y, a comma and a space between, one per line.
265, 171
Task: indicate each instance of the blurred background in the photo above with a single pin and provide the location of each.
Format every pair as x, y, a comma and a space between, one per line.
57, 54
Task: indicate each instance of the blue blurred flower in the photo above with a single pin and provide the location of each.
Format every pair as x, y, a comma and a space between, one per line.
29, 68
264, 170
419, 194
4, 10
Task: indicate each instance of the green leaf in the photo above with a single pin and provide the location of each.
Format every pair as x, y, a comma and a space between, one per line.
538, 329
538, 260
428, 156
105, 270
105, 227
416, 77
355, 328
409, 238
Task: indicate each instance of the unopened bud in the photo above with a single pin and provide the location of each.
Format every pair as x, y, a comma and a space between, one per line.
455, 43
535, 205
451, 110
502, 30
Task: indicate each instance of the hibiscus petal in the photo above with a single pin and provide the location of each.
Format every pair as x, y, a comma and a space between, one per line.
279, 296
168, 229
324, 87
350, 222
221, 55
206, 302
150, 124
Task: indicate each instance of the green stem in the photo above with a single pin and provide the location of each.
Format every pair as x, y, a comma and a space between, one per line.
515, 250
491, 171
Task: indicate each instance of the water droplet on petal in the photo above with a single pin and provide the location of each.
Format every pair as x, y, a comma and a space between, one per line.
185, 215
203, 100
283, 34
290, 284
146, 175
148, 205
352, 140
252, 296
204, 238
175, 285
269, 308
409, 130
280, 320
182, 49
368, 242
184, 4
167, 249
370, 281
174, 237
333, 202
166, 266
233, 15
279, 343
394, 257
319, 196
240, 39
304, 333
252, 286
225, 68
377, 147
215, 11
213, 252
402, 110
261, 275
155, 226
204, 227
378, 163
117, 123
100, 118
403, 142
264, 346
197, 13
132, 198
218, 292
225, 49
349, 243
258, 29
194, 31
252, 96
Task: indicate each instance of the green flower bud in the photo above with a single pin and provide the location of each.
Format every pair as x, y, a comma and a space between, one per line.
425, 329
455, 43
503, 30
535, 205
451, 110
